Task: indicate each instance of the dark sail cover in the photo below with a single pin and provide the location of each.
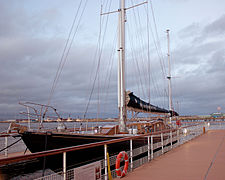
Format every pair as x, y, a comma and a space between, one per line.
135, 103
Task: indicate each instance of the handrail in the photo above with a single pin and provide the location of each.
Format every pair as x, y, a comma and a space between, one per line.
73, 148
190, 126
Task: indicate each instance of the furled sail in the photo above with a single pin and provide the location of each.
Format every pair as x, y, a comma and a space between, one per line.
136, 104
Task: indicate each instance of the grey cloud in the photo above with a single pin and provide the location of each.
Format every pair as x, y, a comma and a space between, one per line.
213, 30
189, 31
217, 63
216, 28
196, 33
200, 63
30, 56
15, 21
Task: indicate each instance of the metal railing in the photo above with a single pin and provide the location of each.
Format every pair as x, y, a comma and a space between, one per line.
168, 140
149, 150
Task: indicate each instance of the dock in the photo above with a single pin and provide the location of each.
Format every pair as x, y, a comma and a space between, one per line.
201, 158
195, 151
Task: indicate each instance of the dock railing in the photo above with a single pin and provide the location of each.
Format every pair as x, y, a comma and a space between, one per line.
169, 139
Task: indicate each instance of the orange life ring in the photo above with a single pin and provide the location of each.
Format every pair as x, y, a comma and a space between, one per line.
122, 155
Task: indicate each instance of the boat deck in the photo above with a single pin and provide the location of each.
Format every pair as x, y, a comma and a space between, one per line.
14, 154
201, 158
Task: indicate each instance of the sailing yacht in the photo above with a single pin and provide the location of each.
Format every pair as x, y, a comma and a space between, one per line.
41, 140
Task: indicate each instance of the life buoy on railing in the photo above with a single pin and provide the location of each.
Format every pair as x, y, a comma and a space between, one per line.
122, 155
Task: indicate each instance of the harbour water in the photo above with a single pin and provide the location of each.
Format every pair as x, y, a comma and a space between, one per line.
20, 147
29, 169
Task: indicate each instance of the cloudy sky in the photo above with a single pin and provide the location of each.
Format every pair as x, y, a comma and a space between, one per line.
33, 35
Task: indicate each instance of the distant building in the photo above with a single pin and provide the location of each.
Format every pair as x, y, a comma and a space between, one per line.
217, 114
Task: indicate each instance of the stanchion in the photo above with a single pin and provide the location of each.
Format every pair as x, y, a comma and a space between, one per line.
131, 155
105, 153
148, 148
162, 142
64, 165
151, 147
6, 144
178, 137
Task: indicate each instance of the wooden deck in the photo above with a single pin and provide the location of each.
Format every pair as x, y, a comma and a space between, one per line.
201, 158
2, 156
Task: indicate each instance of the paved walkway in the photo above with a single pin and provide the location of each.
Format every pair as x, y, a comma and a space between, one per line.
201, 158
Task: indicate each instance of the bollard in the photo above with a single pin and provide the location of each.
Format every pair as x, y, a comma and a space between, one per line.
203, 129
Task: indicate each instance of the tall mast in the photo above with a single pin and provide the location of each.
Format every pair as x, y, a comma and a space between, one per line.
121, 69
169, 74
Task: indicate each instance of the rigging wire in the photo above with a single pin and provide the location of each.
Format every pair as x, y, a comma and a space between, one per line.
158, 50
100, 48
157, 36
139, 37
110, 63
108, 76
71, 42
158, 90
95, 55
173, 83
148, 57
140, 41
144, 56
66, 50
63, 54
134, 56
103, 41
155, 85
95, 77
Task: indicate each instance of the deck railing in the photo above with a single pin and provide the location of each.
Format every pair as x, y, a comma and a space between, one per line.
150, 150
